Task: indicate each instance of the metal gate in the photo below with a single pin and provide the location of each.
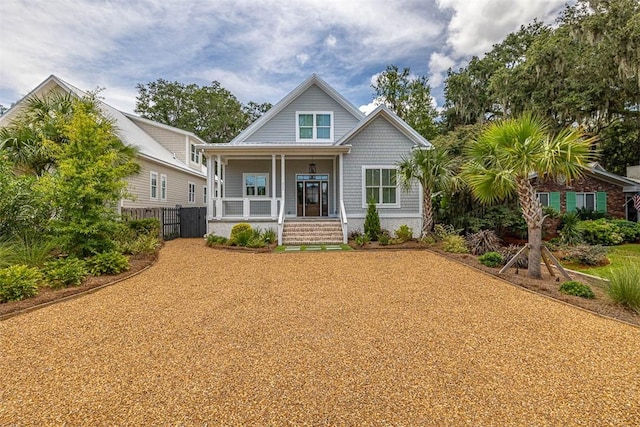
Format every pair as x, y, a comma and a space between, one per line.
170, 223
193, 222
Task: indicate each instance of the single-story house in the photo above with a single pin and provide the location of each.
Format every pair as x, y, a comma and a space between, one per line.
172, 171
313, 161
596, 190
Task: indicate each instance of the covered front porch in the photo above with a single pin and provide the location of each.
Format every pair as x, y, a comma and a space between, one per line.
268, 185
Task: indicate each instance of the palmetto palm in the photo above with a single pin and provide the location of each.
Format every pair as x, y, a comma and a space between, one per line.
503, 158
434, 170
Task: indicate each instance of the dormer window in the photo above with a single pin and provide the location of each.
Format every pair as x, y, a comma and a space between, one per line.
314, 126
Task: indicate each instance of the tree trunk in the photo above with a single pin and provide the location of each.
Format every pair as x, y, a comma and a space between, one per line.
532, 212
427, 212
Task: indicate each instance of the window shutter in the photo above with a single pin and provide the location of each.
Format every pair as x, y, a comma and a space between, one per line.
601, 201
571, 201
554, 200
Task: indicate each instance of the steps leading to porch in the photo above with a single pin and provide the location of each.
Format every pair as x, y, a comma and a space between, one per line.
312, 232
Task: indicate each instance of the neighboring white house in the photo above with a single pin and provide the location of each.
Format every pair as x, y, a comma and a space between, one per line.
171, 168
315, 156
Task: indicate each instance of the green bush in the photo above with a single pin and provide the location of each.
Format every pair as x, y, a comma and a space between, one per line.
404, 233
149, 226
242, 238
586, 214
32, 252
600, 232
455, 244
269, 236
576, 288
213, 240
482, 242
569, 232
372, 226
112, 262
384, 239
19, 282
65, 272
624, 286
629, 230
242, 227
586, 255
442, 231
491, 259
361, 239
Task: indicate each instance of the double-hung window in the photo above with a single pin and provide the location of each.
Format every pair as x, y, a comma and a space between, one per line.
192, 192
153, 186
195, 154
314, 126
256, 184
544, 199
586, 200
380, 185
204, 194
163, 187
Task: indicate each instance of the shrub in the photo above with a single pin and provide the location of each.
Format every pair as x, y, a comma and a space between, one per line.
269, 236
213, 240
404, 233
242, 238
442, 231
112, 262
576, 288
242, 227
600, 232
18, 282
65, 272
148, 226
482, 242
586, 255
256, 242
586, 214
361, 239
624, 286
455, 244
629, 230
511, 251
372, 226
490, 259
570, 234
385, 239
31, 252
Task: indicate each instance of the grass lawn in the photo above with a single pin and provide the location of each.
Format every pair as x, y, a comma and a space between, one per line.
619, 256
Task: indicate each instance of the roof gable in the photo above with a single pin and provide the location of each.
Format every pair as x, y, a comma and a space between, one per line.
290, 98
383, 111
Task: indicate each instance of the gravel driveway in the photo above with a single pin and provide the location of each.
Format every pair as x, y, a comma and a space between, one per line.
350, 338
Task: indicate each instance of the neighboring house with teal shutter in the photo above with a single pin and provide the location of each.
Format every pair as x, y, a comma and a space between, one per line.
597, 190
308, 167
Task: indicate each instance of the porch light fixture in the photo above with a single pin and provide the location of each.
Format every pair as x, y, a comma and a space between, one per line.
312, 167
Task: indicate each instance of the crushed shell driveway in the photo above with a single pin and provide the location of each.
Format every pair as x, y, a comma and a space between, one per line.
407, 338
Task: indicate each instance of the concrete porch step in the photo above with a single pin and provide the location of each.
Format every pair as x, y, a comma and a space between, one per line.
309, 232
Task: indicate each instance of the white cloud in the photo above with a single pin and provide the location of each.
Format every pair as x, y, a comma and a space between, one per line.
330, 41
477, 25
438, 64
368, 108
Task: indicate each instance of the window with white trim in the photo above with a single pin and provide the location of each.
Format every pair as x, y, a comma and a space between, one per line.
256, 184
586, 200
544, 199
204, 194
380, 184
192, 192
314, 126
163, 187
195, 154
153, 185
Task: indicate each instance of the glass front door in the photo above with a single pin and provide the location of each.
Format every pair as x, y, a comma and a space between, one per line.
313, 197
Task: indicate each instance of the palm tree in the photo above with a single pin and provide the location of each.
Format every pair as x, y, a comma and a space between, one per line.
503, 158
434, 170
30, 140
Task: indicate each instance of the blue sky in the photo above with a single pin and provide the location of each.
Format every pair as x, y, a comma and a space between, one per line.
259, 50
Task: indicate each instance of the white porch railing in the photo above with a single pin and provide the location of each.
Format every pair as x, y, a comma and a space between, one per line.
246, 208
280, 224
343, 222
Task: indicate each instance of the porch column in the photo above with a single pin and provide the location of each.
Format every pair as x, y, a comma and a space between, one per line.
274, 199
282, 185
219, 187
340, 174
335, 178
210, 187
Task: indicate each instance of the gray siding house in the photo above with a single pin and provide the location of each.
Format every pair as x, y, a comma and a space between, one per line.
171, 169
313, 158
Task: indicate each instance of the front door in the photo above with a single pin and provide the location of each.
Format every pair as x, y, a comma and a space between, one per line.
313, 198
